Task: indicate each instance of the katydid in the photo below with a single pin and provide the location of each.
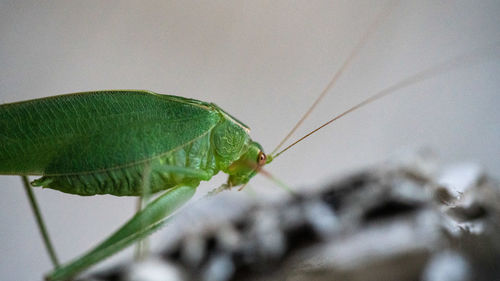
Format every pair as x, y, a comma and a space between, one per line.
103, 142
112, 142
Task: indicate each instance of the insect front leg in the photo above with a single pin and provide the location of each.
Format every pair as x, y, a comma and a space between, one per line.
219, 189
139, 226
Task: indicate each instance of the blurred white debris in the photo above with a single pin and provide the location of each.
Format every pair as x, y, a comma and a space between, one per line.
154, 270
458, 178
447, 266
267, 233
322, 218
377, 243
220, 268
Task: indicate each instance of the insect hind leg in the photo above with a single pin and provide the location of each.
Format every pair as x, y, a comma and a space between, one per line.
151, 218
40, 222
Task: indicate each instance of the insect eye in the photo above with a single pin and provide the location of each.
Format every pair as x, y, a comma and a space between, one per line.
261, 158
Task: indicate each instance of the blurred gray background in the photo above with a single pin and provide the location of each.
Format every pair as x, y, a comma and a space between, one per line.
264, 62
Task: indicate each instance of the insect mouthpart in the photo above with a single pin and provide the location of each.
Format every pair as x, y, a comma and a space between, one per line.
235, 180
269, 159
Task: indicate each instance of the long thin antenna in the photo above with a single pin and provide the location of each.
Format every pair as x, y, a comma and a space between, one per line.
362, 42
448, 65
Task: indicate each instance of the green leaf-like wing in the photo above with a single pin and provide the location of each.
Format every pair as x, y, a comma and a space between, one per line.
95, 131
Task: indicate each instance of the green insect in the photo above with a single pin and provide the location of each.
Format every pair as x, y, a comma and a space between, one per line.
136, 143
102, 142
117, 142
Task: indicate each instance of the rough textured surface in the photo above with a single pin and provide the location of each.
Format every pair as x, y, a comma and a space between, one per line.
399, 221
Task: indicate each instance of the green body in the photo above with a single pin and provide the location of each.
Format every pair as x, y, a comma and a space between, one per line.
101, 142
124, 143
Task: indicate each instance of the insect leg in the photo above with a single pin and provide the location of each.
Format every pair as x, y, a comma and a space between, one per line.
142, 224
142, 246
40, 222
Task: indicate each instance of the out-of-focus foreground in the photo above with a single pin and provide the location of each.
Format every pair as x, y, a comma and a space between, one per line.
408, 220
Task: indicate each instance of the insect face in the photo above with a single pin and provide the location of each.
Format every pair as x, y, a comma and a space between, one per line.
242, 170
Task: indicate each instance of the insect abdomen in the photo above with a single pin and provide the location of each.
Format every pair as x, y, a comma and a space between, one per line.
197, 158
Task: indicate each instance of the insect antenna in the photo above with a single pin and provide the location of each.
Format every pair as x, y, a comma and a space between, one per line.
467, 59
357, 48
272, 178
